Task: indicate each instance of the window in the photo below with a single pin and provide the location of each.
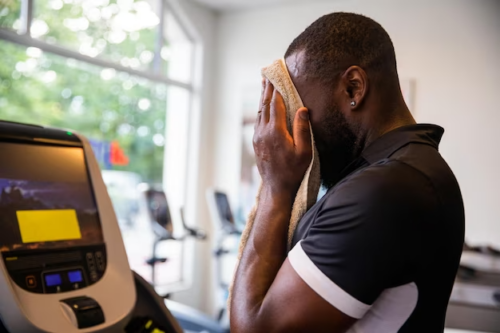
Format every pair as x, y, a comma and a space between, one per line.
10, 11
124, 32
110, 70
102, 103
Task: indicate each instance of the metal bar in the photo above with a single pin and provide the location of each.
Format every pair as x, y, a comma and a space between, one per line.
28, 41
26, 17
157, 63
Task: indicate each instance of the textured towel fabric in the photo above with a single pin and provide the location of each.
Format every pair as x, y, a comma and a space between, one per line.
277, 74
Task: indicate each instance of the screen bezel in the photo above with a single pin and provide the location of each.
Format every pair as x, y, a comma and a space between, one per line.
35, 141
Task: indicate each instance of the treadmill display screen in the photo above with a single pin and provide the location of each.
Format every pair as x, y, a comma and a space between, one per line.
46, 199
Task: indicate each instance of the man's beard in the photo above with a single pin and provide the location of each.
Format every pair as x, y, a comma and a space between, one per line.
337, 145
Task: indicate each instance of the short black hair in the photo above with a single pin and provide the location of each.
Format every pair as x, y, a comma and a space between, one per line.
339, 40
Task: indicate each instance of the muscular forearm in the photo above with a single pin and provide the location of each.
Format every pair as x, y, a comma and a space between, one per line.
282, 162
261, 260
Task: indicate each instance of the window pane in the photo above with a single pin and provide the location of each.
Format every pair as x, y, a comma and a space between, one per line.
113, 109
10, 11
123, 31
177, 53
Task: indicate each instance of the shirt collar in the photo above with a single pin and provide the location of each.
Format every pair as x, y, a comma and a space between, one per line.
392, 141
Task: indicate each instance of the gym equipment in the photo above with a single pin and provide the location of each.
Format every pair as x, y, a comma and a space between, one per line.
64, 266
161, 222
475, 299
221, 212
224, 223
162, 226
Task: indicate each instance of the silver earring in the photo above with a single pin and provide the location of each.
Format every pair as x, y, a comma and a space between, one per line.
353, 103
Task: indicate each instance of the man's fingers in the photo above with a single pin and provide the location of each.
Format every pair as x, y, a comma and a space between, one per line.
278, 110
302, 132
259, 113
262, 92
266, 101
257, 120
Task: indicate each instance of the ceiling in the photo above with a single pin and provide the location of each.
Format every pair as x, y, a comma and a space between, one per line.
226, 5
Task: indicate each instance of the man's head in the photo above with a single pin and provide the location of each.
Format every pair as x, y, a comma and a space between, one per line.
344, 68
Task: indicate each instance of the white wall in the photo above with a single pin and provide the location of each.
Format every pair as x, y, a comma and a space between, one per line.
450, 47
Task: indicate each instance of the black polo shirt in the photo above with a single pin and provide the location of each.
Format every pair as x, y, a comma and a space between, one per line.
384, 244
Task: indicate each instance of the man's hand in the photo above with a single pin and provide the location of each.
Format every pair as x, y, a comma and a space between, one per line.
268, 294
281, 159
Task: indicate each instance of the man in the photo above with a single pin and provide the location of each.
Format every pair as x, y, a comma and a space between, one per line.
379, 252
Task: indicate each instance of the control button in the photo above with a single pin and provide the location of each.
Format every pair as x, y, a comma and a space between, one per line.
76, 286
100, 260
90, 261
31, 281
93, 276
90, 258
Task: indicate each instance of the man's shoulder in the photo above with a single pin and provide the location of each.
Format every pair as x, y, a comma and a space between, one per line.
386, 183
385, 175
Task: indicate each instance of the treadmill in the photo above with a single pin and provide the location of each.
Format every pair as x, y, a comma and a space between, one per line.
63, 265
475, 300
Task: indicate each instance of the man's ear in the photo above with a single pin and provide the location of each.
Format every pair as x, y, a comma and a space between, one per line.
354, 86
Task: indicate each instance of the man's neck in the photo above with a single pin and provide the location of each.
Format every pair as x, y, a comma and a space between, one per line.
400, 116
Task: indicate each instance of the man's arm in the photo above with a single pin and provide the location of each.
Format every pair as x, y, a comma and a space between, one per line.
268, 295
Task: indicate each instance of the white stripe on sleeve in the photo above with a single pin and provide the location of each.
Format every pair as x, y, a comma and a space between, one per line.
323, 286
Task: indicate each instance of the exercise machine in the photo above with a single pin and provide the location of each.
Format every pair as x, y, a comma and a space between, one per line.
475, 299
163, 227
226, 228
63, 265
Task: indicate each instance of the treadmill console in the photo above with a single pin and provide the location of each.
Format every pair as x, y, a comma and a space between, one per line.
63, 265
48, 207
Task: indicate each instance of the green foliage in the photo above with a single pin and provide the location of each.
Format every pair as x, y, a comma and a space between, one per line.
124, 33
41, 88
9, 12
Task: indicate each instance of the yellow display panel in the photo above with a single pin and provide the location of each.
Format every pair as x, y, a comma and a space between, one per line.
48, 225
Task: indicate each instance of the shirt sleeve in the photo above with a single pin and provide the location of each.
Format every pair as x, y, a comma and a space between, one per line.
365, 237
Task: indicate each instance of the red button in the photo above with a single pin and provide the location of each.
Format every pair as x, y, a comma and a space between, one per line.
31, 281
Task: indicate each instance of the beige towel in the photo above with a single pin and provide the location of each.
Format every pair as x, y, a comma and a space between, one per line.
277, 74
